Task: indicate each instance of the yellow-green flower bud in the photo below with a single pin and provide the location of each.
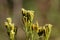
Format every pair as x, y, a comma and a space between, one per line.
31, 13
12, 33
9, 20
24, 12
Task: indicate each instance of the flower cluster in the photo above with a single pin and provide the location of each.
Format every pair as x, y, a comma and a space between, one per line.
33, 29
42, 30
11, 29
28, 15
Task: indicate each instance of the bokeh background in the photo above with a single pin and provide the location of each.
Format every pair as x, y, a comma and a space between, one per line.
46, 11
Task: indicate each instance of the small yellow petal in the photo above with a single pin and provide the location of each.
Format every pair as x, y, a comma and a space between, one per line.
6, 23
9, 20
24, 11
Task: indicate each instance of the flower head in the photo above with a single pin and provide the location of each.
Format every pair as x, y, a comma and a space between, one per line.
11, 29
29, 14
41, 31
35, 26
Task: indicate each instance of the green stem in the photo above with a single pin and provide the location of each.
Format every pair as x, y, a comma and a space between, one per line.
26, 30
32, 36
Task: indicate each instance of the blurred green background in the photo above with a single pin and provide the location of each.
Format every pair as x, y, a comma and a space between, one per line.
46, 11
